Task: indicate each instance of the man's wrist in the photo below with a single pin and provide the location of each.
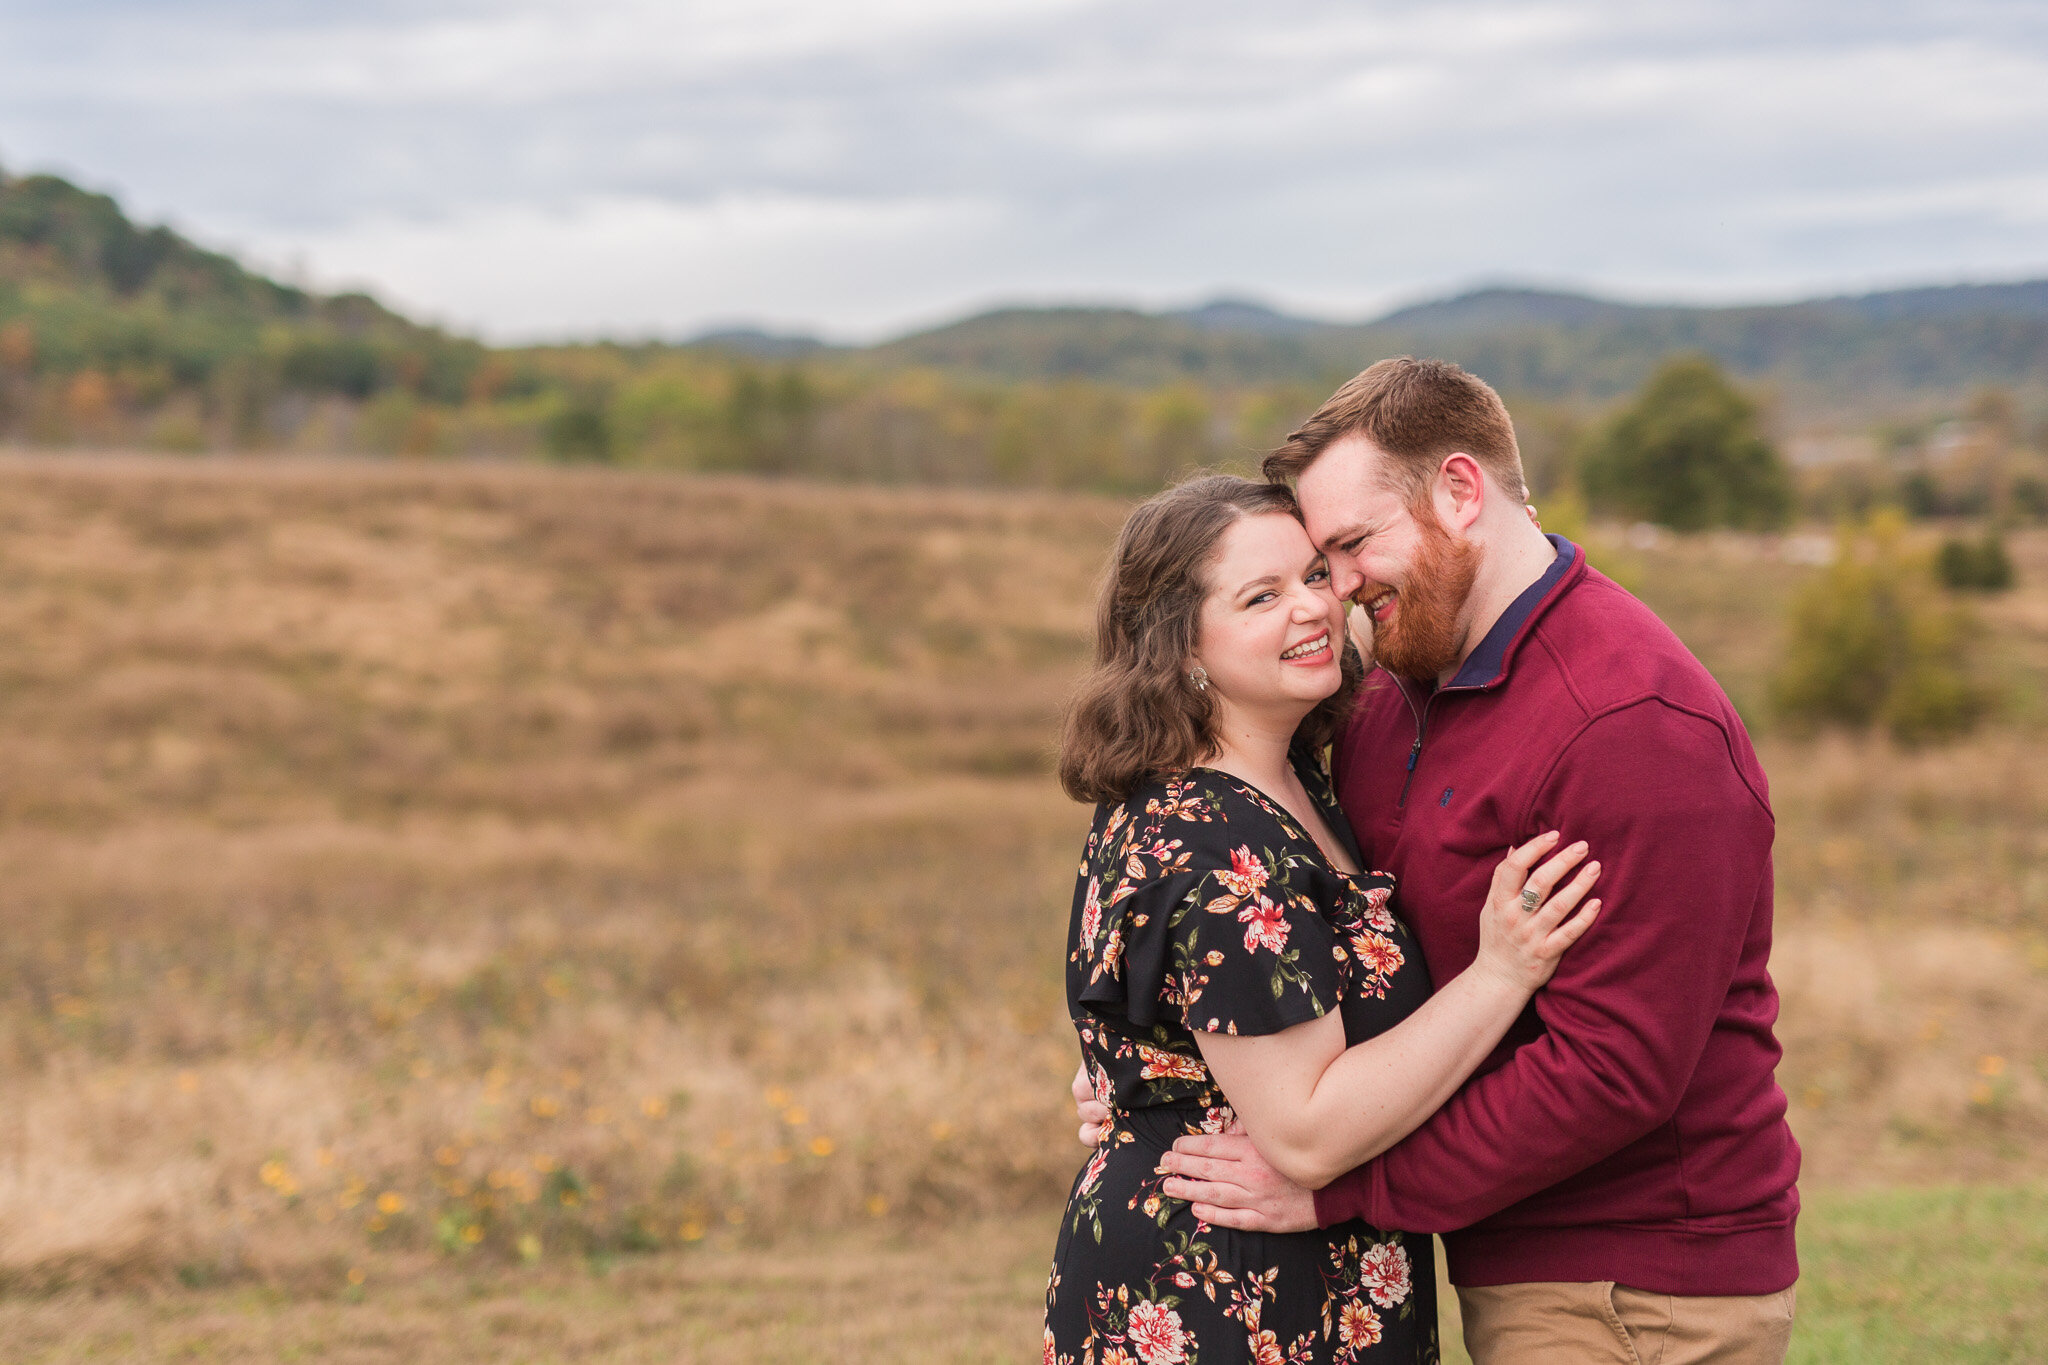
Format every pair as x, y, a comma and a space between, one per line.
1339, 1201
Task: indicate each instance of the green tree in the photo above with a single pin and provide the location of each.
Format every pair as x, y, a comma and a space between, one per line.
1687, 454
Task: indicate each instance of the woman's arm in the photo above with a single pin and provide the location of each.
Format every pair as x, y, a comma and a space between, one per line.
1315, 1109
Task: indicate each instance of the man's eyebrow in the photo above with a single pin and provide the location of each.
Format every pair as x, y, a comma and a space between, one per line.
1344, 533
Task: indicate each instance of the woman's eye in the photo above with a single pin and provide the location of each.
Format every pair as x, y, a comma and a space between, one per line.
1317, 575
1262, 597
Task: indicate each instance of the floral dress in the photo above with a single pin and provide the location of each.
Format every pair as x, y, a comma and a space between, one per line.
1203, 905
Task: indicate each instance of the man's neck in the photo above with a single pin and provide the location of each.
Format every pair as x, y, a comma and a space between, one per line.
1507, 567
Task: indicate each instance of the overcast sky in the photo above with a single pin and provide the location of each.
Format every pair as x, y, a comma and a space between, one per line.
537, 168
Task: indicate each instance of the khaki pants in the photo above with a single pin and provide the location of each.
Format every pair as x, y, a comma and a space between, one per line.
1610, 1324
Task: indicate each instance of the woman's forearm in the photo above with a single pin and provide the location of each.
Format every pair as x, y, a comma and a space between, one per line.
1315, 1109
1377, 1093
1315, 1117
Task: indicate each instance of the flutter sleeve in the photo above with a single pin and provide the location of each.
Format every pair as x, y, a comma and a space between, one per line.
1228, 943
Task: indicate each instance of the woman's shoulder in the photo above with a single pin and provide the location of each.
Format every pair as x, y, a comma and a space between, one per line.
1197, 815
1195, 890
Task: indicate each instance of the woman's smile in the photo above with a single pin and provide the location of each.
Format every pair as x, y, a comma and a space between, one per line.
1314, 651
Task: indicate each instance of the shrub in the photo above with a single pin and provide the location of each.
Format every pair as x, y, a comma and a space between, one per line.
1873, 642
1974, 566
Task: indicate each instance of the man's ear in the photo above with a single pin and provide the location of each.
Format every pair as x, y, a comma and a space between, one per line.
1460, 491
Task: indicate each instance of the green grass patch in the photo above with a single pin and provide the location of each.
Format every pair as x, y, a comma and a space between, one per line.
1897, 1275
1952, 1275
1891, 1276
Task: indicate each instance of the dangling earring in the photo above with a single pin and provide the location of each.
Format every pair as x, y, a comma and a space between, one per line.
1199, 676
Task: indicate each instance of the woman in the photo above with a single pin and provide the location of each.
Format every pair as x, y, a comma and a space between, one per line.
1231, 961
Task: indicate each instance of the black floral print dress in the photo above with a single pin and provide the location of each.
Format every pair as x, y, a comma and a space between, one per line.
1202, 905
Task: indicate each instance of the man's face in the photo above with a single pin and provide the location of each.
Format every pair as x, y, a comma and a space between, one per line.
1410, 574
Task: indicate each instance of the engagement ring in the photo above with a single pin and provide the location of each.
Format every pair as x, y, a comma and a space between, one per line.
1531, 898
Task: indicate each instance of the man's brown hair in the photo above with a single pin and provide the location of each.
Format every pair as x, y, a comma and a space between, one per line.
1418, 412
1135, 716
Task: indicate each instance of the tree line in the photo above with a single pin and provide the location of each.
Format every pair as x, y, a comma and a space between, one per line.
116, 334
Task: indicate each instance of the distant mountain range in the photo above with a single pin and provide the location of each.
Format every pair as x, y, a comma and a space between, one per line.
85, 290
1896, 347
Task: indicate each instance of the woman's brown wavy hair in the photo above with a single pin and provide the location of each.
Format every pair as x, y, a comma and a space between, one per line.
1135, 716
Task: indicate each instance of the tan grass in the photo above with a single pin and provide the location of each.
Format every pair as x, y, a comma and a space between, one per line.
592, 862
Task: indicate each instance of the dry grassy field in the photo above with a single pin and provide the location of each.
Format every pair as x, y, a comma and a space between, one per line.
457, 913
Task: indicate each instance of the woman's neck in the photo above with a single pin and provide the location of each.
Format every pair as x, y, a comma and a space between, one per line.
1255, 749
1257, 754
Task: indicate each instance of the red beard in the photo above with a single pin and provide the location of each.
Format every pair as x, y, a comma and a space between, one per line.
1423, 637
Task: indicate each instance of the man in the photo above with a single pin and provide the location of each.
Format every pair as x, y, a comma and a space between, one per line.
1617, 1183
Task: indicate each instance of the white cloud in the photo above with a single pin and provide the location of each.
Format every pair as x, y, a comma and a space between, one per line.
629, 267
858, 166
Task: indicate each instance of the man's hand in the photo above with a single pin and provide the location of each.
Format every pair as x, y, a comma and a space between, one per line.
1230, 1184
1094, 1113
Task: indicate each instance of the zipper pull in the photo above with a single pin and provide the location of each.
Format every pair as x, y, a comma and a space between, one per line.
1414, 752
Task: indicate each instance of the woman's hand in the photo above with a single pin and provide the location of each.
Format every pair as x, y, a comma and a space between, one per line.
1522, 946
1360, 629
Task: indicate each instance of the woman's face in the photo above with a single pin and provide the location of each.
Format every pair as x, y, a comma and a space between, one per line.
1271, 625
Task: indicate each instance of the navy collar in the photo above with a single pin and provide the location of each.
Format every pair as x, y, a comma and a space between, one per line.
1483, 665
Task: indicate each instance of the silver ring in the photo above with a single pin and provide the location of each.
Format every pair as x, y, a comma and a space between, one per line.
1531, 898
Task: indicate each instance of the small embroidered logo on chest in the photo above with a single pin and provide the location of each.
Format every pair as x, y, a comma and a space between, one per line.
1445, 799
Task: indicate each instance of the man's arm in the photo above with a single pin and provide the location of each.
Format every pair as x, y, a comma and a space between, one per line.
1685, 843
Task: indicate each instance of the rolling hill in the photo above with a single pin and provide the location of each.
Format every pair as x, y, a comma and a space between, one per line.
1903, 348
153, 318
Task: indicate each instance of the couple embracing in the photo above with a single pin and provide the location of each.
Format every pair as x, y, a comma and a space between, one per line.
1469, 936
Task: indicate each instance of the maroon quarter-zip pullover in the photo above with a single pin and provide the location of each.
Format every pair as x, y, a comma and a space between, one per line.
1630, 1127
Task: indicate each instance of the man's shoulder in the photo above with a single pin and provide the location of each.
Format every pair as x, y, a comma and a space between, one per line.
1610, 650
1595, 651
1595, 647
1644, 699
